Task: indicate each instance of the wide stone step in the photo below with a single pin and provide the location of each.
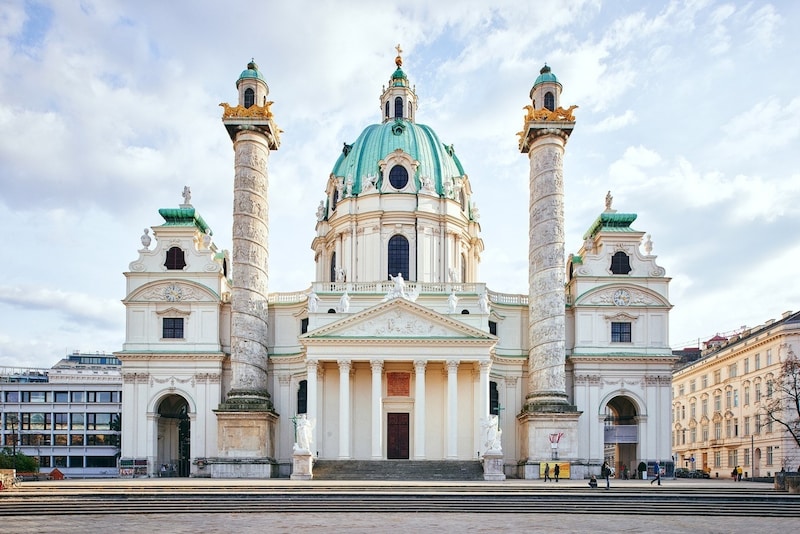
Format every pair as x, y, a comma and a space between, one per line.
397, 470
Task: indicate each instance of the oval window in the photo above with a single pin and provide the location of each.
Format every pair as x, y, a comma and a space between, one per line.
398, 177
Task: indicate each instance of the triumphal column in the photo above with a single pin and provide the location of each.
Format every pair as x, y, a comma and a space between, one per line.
548, 420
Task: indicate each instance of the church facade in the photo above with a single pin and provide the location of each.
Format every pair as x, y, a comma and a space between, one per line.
397, 350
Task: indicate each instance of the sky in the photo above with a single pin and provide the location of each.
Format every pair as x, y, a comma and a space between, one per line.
689, 113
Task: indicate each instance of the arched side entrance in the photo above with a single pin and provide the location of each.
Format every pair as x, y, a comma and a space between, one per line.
174, 437
621, 436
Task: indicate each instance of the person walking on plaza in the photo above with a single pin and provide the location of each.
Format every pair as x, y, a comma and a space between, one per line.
547, 472
605, 472
556, 471
739, 473
657, 472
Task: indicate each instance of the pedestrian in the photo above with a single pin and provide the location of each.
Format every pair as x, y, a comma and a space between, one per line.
733, 474
657, 472
593, 482
605, 472
547, 472
556, 471
739, 473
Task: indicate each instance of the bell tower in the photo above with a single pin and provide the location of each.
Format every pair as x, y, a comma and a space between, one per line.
246, 418
547, 411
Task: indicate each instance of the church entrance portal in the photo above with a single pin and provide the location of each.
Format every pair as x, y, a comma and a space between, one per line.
174, 437
621, 435
397, 436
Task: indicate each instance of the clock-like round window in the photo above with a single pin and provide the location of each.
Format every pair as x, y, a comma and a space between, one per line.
173, 293
398, 177
622, 297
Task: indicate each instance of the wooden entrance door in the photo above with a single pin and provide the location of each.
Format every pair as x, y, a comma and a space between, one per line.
397, 436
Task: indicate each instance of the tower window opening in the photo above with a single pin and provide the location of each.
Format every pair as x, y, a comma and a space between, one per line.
334, 199
463, 268
333, 267
398, 177
386, 112
493, 328
249, 97
175, 260
549, 101
494, 399
398, 108
302, 397
398, 256
620, 263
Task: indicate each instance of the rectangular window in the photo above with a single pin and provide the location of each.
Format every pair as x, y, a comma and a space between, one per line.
733, 458
704, 381
76, 439
12, 396
757, 429
98, 396
101, 461
746, 365
728, 428
78, 396
758, 392
76, 421
62, 396
34, 396
728, 398
747, 395
692, 386
59, 461
620, 332
44, 461
683, 412
693, 410
693, 434
718, 430
172, 328
717, 376
717, 458
769, 455
746, 426
681, 391
732, 370
76, 461
747, 457
769, 357
98, 440
770, 388
60, 440
735, 427
705, 407
705, 432
735, 398
717, 403
60, 421
769, 426
758, 362
98, 421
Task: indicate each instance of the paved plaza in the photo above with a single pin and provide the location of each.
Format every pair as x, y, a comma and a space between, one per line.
400, 521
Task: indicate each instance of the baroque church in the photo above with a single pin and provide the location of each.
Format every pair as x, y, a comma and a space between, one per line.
397, 350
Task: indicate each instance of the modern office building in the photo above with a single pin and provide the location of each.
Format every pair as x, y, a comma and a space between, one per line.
718, 417
67, 416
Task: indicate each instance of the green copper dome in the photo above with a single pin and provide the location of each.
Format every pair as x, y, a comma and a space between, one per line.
399, 78
545, 75
437, 161
250, 72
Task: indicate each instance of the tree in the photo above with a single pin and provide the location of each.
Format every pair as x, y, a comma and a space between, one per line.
24, 463
783, 402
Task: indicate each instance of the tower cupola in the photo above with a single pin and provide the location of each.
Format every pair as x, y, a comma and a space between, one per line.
253, 89
398, 101
546, 90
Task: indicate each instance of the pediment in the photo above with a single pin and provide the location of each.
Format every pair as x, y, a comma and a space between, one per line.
174, 291
399, 319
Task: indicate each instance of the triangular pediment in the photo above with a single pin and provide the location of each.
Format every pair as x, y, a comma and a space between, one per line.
401, 319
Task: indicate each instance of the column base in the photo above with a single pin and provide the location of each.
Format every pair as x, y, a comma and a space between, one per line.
246, 441
540, 430
247, 400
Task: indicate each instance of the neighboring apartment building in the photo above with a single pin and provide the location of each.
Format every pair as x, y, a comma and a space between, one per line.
718, 420
65, 416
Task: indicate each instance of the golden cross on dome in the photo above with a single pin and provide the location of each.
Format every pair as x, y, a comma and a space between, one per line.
399, 50
398, 60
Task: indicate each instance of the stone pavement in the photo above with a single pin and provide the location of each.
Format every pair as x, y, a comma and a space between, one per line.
407, 522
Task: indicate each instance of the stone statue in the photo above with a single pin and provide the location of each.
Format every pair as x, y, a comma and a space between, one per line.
483, 302
492, 434
452, 302
304, 428
321, 210
349, 186
609, 199
341, 274
448, 188
207, 238
451, 273
427, 184
313, 302
187, 195
399, 284
146, 239
344, 303
588, 245
476, 214
648, 245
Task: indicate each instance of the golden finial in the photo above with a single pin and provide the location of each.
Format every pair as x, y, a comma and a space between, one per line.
398, 60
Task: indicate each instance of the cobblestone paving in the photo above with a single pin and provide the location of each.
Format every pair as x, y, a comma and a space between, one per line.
392, 522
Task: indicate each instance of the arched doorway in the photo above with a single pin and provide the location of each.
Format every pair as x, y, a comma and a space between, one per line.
621, 435
174, 437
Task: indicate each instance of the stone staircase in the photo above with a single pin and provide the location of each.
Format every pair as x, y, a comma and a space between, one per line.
397, 470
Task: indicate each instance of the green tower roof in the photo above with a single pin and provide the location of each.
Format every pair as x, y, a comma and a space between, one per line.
611, 221
250, 72
184, 217
545, 75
